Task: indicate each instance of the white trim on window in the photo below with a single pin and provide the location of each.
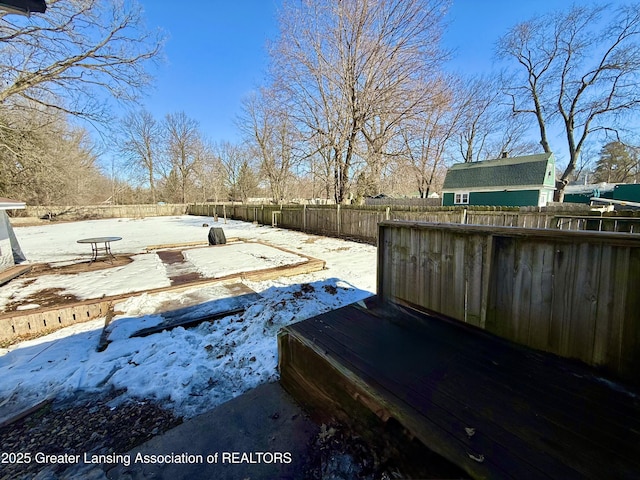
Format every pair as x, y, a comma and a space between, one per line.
461, 198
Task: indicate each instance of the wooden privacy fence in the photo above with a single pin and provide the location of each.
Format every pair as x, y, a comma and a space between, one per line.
330, 220
361, 222
73, 212
413, 202
575, 294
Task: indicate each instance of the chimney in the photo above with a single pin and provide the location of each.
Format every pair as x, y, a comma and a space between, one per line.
504, 154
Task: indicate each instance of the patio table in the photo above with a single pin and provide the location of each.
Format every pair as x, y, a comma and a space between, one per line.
96, 248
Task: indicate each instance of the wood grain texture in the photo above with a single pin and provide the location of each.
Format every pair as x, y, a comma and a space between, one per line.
534, 415
572, 293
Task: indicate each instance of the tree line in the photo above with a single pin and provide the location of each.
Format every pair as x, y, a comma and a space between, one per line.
357, 102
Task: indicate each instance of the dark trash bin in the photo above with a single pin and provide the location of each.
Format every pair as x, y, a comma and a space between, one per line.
216, 236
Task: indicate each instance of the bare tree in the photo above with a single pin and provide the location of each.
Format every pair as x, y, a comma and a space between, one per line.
345, 63
427, 138
75, 55
269, 129
379, 133
321, 169
247, 184
50, 163
478, 121
183, 141
392, 115
578, 70
240, 173
140, 142
512, 138
209, 174
399, 180
488, 126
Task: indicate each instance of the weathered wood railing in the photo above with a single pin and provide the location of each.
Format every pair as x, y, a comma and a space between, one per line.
599, 223
572, 293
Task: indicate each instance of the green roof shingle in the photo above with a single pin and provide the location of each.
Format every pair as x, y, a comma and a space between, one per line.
500, 172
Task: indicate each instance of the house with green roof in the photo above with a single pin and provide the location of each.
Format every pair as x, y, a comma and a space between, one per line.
506, 181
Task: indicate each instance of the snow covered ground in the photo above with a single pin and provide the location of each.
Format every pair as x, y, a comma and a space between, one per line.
191, 370
146, 271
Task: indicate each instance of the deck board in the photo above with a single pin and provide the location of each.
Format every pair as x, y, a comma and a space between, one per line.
12, 272
535, 415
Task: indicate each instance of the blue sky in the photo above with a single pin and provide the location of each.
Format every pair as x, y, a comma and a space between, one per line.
217, 54
214, 57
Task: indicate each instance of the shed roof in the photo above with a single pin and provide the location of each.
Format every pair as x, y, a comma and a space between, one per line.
499, 172
9, 204
589, 188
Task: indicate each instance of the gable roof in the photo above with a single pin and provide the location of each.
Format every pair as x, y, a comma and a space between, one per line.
499, 172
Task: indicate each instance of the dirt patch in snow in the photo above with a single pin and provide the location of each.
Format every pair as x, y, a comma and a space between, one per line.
78, 267
43, 298
50, 297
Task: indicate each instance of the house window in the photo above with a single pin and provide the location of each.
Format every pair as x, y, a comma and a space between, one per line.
461, 198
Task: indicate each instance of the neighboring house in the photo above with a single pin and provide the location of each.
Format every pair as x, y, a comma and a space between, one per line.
583, 193
628, 192
10, 252
512, 182
624, 192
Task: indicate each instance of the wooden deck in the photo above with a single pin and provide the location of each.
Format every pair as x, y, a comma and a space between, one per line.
495, 409
13, 272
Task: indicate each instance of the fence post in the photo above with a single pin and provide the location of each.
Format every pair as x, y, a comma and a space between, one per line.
304, 217
338, 214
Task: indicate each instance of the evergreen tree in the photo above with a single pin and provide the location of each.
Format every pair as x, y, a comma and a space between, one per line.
615, 164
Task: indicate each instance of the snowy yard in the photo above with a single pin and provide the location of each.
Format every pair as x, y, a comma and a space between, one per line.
191, 370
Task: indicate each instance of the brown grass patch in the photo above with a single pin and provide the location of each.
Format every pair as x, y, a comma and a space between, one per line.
44, 298
80, 267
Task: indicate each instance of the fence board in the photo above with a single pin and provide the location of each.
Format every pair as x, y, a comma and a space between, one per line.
322, 220
434, 265
619, 281
541, 295
630, 335
569, 293
290, 218
361, 222
459, 277
585, 302
476, 252
74, 212
501, 293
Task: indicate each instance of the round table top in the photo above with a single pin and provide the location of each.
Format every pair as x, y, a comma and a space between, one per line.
100, 240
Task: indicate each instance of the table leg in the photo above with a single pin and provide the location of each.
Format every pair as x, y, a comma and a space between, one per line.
107, 251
